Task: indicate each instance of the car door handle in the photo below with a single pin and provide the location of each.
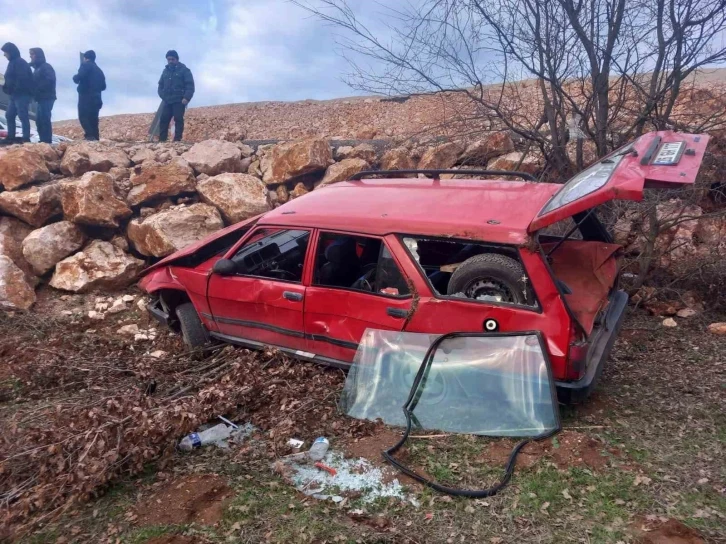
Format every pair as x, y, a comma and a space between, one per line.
397, 312
295, 297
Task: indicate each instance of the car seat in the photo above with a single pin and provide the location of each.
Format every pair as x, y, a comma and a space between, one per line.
343, 265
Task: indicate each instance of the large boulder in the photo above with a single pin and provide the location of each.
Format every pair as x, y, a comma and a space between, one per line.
340, 171
529, 164
440, 157
92, 200
12, 234
363, 151
143, 155
152, 181
237, 196
22, 165
15, 292
84, 157
214, 157
292, 159
165, 232
100, 265
44, 247
398, 158
493, 145
36, 205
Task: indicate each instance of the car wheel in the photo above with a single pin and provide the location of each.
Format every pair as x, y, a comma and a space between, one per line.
193, 332
490, 277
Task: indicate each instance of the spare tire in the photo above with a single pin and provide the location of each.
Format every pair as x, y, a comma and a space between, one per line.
490, 277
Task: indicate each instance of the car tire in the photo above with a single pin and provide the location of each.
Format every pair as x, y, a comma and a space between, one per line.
490, 276
193, 332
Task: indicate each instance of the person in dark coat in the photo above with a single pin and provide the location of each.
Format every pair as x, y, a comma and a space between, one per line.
19, 86
176, 89
43, 93
91, 82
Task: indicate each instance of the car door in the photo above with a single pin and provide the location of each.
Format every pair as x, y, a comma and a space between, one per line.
656, 160
263, 299
356, 284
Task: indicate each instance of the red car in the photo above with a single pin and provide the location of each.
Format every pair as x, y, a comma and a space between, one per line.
424, 255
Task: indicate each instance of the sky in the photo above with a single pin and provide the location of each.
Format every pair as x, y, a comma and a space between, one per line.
238, 50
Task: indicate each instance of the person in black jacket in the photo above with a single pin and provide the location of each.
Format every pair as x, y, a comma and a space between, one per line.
19, 86
91, 82
43, 92
176, 89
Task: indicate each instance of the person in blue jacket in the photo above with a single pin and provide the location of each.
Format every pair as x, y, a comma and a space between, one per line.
91, 83
176, 89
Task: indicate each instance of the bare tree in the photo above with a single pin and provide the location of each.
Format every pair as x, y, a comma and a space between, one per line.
612, 67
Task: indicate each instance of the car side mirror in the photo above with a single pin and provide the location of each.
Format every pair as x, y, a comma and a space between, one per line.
224, 267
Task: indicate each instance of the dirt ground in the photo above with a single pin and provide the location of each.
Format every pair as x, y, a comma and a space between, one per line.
91, 419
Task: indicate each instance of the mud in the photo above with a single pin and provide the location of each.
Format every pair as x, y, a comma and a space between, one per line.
666, 532
199, 498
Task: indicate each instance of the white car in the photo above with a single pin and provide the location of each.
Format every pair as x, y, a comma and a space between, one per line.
34, 137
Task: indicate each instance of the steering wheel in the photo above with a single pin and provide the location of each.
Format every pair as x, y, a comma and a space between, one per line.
365, 283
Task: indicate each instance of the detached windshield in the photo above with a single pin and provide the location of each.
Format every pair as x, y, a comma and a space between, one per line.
495, 385
588, 181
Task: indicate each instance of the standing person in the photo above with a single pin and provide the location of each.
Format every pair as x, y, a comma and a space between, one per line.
19, 86
43, 92
176, 89
91, 82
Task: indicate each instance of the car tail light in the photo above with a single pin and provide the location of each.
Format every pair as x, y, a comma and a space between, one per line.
577, 356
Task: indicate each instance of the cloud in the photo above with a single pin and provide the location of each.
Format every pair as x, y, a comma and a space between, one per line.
239, 51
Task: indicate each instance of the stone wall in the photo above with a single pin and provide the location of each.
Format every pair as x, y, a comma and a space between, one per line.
89, 216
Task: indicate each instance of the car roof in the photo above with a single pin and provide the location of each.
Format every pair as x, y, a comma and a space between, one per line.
487, 210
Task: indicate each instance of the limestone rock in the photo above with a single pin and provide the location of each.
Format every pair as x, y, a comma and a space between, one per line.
36, 205
298, 191
516, 161
440, 157
100, 265
92, 200
22, 165
365, 152
165, 232
12, 234
44, 247
232, 134
283, 195
143, 155
669, 322
398, 158
246, 150
214, 157
152, 181
84, 157
296, 158
15, 292
493, 145
717, 328
120, 242
236, 196
340, 171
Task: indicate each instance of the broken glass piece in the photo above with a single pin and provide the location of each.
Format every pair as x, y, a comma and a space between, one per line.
484, 384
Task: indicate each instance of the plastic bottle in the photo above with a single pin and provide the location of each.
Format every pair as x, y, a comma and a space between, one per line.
319, 448
197, 440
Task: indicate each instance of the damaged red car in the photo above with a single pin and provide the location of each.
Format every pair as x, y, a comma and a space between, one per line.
425, 255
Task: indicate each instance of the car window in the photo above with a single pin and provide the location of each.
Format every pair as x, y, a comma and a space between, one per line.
273, 253
358, 262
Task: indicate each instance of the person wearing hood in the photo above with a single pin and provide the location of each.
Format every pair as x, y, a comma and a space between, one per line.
43, 93
91, 83
19, 87
176, 89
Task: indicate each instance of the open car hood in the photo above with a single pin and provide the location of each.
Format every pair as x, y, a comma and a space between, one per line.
657, 160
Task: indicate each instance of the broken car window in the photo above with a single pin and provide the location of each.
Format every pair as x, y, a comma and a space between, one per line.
494, 385
472, 270
274, 253
357, 262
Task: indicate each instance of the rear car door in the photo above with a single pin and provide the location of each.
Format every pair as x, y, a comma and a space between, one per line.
665, 160
357, 284
264, 300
